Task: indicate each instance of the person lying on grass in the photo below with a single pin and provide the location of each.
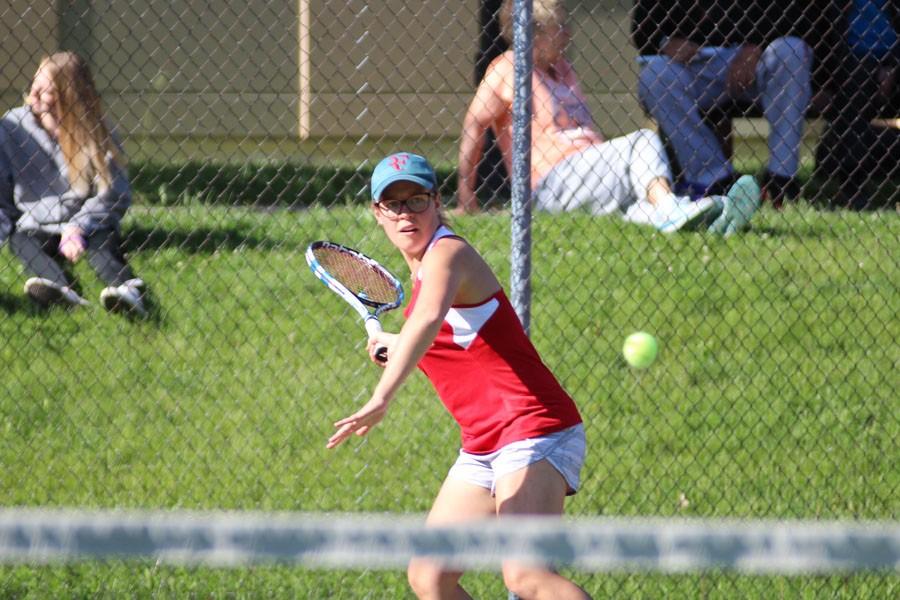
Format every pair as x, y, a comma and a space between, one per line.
573, 166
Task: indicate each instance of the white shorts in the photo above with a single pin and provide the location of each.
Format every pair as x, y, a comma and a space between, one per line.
604, 178
563, 449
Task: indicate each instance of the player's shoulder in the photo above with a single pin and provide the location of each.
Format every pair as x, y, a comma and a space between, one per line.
449, 250
448, 245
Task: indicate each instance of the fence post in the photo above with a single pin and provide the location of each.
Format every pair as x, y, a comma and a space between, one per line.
520, 247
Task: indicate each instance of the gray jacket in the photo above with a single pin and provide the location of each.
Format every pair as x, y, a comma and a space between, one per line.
34, 184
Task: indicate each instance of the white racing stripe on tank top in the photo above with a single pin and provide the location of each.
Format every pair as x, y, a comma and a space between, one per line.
467, 322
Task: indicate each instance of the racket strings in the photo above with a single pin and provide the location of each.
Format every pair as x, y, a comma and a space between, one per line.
362, 278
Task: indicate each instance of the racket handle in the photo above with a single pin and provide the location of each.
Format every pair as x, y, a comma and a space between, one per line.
373, 326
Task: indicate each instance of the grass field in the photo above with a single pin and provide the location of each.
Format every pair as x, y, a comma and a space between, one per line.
775, 394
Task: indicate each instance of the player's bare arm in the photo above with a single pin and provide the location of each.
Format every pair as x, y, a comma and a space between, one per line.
491, 101
442, 271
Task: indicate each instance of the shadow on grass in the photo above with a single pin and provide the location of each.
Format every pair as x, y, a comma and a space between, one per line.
199, 240
11, 304
154, 314
877, 193
280, 184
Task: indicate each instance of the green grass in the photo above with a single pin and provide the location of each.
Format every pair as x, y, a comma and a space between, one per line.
774, 394
287, 173
269, 172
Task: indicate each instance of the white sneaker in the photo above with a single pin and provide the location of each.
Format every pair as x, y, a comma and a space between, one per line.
46, 292
684, 214
738, 206
124, 298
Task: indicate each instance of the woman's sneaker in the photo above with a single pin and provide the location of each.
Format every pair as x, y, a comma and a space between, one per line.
46, 293
684, 214
675, 213
125, 298
738, 207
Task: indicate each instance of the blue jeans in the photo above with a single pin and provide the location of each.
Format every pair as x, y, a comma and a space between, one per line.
675, 94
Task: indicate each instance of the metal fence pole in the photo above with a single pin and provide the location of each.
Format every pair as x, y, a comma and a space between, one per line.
520, 247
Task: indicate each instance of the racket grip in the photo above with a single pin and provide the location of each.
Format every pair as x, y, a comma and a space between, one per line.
373, 326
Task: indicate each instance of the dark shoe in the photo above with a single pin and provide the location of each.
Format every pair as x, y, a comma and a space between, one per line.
778, 188
45, 292
125, 298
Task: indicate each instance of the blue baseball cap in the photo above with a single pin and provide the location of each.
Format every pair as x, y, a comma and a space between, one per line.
402, 166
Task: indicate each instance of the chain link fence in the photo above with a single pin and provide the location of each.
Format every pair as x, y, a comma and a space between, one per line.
251, 129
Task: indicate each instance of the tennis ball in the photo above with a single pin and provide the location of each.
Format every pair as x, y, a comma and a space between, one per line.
640, 349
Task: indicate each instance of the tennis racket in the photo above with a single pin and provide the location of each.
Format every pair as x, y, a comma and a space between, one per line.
359, 280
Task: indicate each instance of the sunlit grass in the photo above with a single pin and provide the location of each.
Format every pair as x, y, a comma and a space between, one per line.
774, 394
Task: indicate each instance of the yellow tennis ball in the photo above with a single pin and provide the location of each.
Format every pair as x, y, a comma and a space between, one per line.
640, 349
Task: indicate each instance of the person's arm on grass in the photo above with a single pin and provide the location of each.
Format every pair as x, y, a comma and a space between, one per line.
443, 271
492, 100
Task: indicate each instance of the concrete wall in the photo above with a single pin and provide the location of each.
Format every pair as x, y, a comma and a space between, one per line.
386, 68
604, 58
199, 68
25, 35
307, 68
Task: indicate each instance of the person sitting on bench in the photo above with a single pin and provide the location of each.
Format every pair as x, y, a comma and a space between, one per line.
697, 55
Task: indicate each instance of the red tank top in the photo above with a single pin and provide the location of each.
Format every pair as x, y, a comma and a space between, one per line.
489, 375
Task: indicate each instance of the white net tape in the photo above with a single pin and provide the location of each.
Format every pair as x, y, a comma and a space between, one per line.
389, 541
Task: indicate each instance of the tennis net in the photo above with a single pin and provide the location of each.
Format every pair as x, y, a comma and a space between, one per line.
382, 541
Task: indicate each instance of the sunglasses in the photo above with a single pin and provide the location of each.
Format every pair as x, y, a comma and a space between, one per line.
413, 204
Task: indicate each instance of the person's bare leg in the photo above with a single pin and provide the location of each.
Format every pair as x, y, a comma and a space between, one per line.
658, 189
457, 502
538, 489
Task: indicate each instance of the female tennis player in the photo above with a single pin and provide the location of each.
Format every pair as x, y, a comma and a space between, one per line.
522, 437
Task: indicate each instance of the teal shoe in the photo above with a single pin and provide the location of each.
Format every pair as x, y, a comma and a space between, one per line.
738, 207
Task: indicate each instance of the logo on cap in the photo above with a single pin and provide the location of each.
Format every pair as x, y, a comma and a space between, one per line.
402, 166
398, 161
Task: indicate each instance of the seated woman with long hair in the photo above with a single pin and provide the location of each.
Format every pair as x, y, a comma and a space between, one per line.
63, 184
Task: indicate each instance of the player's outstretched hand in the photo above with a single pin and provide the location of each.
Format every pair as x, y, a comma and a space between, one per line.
379, 347
359, 422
